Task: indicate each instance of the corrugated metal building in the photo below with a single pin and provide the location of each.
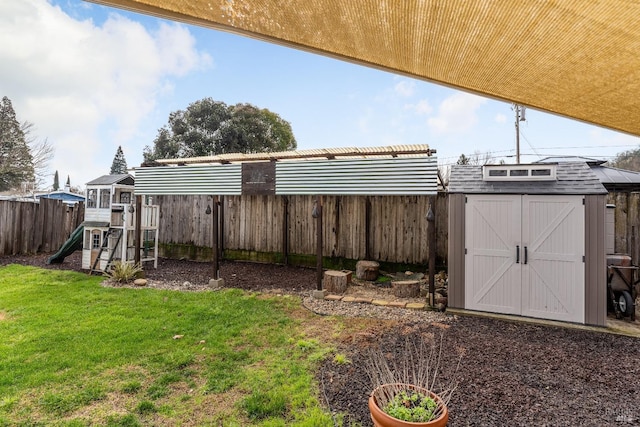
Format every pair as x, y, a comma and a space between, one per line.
528, 240
393, 170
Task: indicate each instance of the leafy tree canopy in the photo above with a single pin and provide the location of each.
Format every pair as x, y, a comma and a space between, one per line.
209, 127
16, 162
119, 164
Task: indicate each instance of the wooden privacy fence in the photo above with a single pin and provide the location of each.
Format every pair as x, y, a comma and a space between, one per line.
384, 228
396, 232
28, 227
627, 223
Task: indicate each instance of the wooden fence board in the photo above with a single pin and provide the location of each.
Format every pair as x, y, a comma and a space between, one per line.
398, 230
254, 223
627, 223
28, 227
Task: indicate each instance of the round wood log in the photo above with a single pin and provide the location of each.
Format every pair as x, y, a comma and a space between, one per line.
367, 270
406, 288
336, 282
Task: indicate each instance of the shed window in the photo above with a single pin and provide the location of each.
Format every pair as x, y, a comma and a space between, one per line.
92, 197
105, 195
125, 197
540, 172
95, 243
533, 172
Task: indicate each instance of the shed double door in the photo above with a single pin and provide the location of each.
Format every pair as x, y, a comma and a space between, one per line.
524, 255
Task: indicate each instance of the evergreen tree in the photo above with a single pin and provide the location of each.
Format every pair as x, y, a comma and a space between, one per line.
462, 160
56, 182
68, 184
119, 165
16, 162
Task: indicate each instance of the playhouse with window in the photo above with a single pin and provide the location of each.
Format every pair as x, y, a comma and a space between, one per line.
110, 224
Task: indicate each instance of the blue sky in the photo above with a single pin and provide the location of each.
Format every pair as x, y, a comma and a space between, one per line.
91, 78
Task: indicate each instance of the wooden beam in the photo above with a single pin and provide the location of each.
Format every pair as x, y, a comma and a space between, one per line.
393, 151
137, 233
431, 241
285, 230
367, 229
319, 244
221, 231
214, 215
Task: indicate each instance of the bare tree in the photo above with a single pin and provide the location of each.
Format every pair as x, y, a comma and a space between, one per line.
478, 158
41, 152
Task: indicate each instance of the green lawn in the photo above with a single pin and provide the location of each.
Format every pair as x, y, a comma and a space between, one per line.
75, 353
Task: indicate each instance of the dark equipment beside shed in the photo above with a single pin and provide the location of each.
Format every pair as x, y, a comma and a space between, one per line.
622, 280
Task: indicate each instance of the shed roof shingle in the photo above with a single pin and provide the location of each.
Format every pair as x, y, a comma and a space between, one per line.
572, 178
124, 179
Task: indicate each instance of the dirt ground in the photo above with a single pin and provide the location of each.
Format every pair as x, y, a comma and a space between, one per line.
511, 373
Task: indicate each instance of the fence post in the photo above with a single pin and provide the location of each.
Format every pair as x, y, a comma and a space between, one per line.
431, 241
285, 230
317, 214
367, 228
137, 232
216, 267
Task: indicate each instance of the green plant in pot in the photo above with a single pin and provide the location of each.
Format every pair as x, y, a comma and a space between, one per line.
403, 393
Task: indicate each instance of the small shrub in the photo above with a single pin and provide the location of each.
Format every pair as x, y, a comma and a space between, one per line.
124, 272
411, 406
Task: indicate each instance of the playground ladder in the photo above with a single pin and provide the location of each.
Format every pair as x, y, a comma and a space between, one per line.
105, 245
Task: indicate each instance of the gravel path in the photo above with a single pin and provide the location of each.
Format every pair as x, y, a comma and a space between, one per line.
512, 374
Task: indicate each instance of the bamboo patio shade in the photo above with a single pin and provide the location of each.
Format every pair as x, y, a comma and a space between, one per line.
576, 58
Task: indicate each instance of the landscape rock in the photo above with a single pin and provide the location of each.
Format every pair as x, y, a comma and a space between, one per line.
140, 282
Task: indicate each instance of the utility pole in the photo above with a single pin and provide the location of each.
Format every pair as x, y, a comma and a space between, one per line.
520, 117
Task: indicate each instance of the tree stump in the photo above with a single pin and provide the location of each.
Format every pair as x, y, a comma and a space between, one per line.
367, 270
336, 282
406, 288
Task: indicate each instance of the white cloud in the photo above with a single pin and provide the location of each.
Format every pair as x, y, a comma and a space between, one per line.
457, 113
422, 108
87, 87
405, 88
500, 118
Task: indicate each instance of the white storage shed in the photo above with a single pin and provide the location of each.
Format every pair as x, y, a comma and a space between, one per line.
528, 240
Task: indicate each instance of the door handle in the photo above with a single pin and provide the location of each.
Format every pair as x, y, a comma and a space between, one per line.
525, 254
517, 254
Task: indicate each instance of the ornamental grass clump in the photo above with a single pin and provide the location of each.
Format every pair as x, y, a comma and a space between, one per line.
124, 272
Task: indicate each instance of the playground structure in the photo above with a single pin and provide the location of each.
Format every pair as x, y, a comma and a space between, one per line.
110, 224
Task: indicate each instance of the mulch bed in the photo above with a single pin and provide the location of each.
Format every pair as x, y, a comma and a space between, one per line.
511, 373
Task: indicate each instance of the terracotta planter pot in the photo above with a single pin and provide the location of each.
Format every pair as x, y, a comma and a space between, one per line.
381, 419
